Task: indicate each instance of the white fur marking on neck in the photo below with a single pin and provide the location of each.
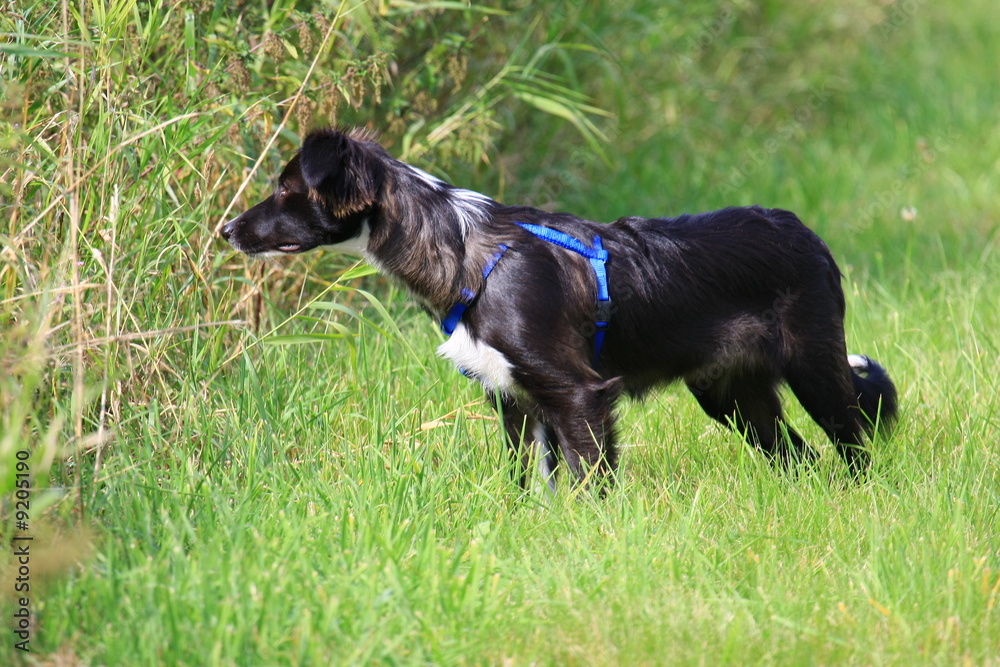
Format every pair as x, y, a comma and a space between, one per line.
470, 207
479, 360
432, 181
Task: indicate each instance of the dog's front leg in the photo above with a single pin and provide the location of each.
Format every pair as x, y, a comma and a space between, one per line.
524, 429
582, 419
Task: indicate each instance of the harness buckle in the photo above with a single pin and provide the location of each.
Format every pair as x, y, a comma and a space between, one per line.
603, 315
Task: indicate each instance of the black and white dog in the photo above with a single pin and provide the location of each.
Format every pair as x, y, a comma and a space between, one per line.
557, 316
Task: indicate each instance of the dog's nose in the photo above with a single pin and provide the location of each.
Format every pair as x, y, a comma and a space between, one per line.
228, 229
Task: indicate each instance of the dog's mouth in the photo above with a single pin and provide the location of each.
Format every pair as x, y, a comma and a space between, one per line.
290, 248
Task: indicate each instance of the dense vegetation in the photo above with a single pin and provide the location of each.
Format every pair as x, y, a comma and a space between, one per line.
264, 463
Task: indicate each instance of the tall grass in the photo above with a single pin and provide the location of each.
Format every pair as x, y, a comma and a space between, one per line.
265, 464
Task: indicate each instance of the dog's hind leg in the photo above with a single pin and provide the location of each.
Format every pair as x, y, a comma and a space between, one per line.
750, 404
822, 383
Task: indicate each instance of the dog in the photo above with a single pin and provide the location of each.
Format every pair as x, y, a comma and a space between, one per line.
557, 316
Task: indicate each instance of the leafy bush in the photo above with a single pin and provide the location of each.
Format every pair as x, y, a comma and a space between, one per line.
131, 129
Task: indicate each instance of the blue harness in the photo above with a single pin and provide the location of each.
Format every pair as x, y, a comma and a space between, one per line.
597, 256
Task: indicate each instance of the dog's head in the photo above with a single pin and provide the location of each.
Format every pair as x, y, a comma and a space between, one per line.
325, 194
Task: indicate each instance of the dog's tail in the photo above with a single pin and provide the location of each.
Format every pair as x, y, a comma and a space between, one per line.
876, 394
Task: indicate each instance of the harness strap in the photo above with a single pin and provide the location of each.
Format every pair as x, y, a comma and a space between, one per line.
469, 296
598, 258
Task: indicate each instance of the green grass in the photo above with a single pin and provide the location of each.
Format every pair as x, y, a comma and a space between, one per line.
213, 493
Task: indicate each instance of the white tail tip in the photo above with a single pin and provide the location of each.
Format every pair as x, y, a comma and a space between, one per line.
858, 362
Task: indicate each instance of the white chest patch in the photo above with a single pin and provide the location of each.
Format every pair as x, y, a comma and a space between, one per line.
355, 246
478, 360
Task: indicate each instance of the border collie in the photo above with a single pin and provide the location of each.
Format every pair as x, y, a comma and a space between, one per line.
557, 316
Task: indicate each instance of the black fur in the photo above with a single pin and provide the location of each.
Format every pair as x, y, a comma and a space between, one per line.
733, 302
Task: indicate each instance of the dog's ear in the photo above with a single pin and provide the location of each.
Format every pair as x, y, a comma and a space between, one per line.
343, 170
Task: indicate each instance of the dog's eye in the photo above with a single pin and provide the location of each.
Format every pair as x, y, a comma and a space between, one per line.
281, 192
